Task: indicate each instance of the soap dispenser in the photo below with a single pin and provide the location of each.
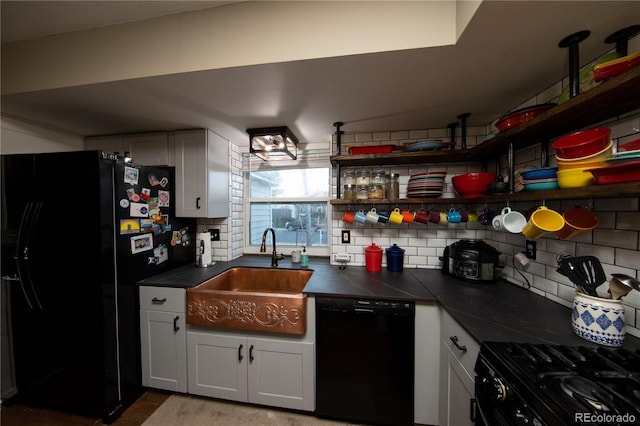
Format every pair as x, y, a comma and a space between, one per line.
304, 257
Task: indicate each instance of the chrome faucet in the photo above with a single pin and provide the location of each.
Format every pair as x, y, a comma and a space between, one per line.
263, 246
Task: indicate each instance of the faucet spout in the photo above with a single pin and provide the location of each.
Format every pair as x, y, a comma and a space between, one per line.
263, 246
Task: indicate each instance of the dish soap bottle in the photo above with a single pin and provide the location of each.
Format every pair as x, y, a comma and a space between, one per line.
304, 257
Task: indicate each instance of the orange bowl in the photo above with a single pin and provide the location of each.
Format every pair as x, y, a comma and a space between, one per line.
473, 185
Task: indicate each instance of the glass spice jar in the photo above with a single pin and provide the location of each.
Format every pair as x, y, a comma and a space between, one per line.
349, 192
393, 186
362, 192
363, 177
349, 177
378, 177
376, 192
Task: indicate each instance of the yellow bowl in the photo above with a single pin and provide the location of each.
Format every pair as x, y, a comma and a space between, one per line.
575, 178
587, 164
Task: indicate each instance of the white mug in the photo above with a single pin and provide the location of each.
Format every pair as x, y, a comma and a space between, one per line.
295, 256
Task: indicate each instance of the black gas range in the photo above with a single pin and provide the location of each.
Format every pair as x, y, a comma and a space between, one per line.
536, 384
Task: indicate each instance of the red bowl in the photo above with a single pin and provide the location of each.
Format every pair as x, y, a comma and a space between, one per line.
473, 185
522, 115
583, 143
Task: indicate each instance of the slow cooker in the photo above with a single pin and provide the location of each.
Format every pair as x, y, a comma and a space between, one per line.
472, 260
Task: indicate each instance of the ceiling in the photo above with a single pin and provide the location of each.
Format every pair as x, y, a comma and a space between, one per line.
507, 53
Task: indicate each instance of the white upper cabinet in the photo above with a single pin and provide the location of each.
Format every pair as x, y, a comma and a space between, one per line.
202, 174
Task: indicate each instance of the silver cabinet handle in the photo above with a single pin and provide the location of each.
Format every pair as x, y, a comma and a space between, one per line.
454, 339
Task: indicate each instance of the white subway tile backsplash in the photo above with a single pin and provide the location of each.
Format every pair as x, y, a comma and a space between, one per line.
616, 204
628, 221
615, 238
627, 258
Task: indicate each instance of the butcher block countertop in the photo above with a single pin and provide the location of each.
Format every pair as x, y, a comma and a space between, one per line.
498, 311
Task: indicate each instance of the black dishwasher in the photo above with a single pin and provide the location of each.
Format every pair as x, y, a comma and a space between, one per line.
365, 360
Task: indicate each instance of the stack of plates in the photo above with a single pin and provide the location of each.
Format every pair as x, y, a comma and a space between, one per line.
540, 179
427, 185
627, 153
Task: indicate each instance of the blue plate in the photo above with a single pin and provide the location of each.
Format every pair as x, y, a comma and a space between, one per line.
541, 186
423, 146
543, 173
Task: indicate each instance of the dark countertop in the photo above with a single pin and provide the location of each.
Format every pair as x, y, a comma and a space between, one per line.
499, 311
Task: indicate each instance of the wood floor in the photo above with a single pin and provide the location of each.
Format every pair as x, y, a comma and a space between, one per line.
135, 415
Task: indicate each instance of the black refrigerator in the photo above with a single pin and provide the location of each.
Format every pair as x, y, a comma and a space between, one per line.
79, 229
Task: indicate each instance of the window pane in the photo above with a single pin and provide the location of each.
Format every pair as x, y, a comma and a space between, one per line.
295, 224
290, 183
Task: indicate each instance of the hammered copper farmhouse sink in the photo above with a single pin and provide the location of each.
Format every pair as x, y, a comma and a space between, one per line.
258, 299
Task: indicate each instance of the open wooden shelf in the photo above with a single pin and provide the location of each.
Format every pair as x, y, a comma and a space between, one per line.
616, 96
630, 189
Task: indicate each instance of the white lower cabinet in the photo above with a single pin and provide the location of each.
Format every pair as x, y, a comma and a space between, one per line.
427, 364
273, 372
163, 338
458, 353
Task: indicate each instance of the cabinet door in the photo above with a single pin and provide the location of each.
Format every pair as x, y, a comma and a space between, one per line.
281, 374
164, 350
108, 144
459, 400
149, 149
191, 170
217, 365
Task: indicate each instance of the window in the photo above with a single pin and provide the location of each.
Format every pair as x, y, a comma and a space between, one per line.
294, 202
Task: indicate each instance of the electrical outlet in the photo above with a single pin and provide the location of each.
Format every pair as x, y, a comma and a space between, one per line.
346, 236
530, 249
215, 234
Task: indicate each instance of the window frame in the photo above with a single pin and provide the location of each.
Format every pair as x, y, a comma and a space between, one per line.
323, 251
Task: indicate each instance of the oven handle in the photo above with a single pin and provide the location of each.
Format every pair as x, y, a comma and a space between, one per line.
454, 339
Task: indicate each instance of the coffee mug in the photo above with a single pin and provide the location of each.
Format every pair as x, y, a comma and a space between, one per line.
421, 216
348, 217
542, 220
486, 217
454, 216
473, 217
383, 217
512, 220
496, 222
443, 218
395, 216
464, 216
407, 216
576, 219
360, 216
372, 216
434, 216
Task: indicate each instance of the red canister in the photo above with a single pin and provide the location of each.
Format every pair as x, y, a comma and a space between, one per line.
373, 258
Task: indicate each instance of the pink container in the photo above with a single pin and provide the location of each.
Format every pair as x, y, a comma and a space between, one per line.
373, 258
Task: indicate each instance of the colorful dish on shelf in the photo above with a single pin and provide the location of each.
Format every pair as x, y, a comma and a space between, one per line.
522, 115
615, 67
473, 185
427, 184
617, 173
541, 185
426, 146
601, 155
542, 173
575, 178
373, 149
633, 145
582, 143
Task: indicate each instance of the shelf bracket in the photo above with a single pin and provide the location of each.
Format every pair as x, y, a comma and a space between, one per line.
510, 164
339, 133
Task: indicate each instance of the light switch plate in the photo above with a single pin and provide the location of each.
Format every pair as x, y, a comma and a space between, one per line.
346, 236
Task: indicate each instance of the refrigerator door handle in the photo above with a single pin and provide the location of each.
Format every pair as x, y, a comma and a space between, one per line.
27, 224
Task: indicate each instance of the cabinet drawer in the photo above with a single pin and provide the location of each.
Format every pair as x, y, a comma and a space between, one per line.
452, 329
166, 299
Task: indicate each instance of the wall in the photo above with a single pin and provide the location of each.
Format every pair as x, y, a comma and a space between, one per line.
616, 240
20, 136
